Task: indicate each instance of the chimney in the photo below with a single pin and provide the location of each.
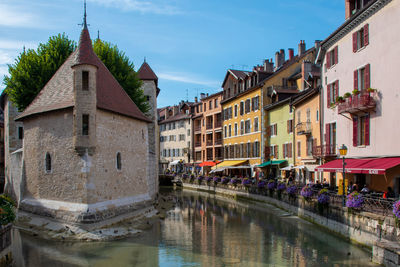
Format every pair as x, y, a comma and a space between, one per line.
277, 60
268, 66
302, 47
306, 66
282, 56
291, 53
202, 95
348, 9
317, 44
195, 99
207, 94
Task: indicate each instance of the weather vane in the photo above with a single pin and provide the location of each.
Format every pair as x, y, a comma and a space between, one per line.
84, 24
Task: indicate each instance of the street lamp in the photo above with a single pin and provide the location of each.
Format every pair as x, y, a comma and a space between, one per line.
343, 153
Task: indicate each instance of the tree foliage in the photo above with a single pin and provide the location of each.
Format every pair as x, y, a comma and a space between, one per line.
34, 68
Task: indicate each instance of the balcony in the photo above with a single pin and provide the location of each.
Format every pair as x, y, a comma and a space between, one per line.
362, 102
197, 144
218, 142
324, 151
218, 124
303, 128
209, 142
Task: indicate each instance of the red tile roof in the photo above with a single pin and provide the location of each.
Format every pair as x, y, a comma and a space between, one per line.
58, 92
146, 73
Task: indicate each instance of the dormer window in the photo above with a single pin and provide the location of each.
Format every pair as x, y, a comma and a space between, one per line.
85, 80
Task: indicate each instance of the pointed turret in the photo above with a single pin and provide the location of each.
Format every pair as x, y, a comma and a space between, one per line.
146, 73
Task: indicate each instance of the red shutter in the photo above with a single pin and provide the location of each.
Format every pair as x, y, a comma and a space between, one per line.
327, 134
328, 95
367, 130
366, 34
355, 132
276, 129
355, 80
367, 77
336, 55
276, 151
328, 60
298, 149
288, 127
354, 42
291, 150
336, 89
284, 150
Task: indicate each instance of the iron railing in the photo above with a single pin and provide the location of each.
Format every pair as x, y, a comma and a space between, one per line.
356, 103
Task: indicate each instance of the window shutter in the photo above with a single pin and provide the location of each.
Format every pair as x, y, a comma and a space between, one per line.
354, 42
276, 151
328, 95
367, 77
327, 134
336, 89
367, 130
366, 34
355, 133
355, 80
269, 131
336, 54
290, 150
276, 129
328, 60
298, 149
288, 127
283, 150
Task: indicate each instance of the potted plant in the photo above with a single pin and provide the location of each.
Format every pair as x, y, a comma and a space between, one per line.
354, 201
371, 90
246, 182
356, 92
339, 99
271, 187
216, 180
396, 212
281, 187
307, 193
333, 105
347, 95
323, 200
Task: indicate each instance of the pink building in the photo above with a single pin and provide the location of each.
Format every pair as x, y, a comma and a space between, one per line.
362, 55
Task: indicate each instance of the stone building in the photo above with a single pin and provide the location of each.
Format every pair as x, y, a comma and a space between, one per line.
87, 151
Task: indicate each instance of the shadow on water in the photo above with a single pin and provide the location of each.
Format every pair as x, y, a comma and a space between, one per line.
203, 230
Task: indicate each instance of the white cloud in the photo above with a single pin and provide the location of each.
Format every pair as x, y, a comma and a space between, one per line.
187, 78
13, 45
155, 7
14, 16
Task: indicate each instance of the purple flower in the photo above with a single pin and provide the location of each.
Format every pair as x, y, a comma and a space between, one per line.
396, 209
271, 184
225, 180
246, 182
261, 184
291, 190
281, 186
306, 192
323, 197
354, 200
208, 179
234, 181
217, 179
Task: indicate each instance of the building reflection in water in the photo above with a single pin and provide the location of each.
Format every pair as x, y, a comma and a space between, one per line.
203, 230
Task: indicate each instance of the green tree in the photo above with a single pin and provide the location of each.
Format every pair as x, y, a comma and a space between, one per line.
34, 68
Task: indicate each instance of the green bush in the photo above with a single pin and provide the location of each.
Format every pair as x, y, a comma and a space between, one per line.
7, 213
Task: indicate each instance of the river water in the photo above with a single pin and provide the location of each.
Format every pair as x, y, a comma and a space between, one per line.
204, 230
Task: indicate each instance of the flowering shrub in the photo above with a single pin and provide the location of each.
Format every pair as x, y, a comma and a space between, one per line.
291, 190
306, 192
396, 209
217, 179
200, 179
354, 200
7, 214
191, 178
271, 184
323, 197
225, 180
209, 179
281, 186
261, 184
185, 176
234, 181
246, 182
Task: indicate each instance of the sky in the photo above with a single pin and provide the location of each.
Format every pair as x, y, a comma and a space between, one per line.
189, 44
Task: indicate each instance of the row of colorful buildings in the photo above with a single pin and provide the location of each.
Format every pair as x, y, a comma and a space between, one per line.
293, 114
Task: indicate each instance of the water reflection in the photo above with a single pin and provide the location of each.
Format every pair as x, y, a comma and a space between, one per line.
203, 230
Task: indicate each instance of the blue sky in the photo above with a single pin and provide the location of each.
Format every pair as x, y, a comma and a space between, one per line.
189, 44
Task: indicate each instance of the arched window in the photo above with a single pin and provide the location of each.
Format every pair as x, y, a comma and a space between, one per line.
118, 161
48, 162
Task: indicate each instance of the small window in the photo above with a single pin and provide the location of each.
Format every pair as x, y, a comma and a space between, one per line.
20, 132
85, 124
85, 80
148, 97
119, 161
48, 162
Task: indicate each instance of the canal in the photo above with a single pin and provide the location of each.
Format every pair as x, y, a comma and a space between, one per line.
202, 229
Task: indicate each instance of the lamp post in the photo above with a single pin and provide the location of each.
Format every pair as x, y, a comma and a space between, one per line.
343, 153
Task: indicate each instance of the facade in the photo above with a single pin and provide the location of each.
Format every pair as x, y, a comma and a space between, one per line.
356, 60
307, 132
242, 114
175, 136
207, 123
85, 155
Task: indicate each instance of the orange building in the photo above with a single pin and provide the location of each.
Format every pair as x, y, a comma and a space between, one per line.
207, 128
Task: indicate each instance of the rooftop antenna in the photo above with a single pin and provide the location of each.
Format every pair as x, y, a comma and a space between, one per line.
84, 24
145, 59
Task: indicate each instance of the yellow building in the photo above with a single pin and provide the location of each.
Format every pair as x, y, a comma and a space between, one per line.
242, 116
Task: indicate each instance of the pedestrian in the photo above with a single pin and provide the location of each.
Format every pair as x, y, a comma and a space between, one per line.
365, 189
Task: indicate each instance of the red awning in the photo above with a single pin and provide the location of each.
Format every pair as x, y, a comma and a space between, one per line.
209, 163
369, 166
